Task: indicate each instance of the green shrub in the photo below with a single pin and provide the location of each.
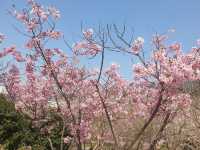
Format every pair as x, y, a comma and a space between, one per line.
15, 129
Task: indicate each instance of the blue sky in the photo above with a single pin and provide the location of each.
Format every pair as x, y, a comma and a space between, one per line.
145, 16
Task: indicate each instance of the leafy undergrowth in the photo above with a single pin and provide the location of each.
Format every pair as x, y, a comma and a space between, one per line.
16, 131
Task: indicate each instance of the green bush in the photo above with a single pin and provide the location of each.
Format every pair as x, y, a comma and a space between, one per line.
15, 129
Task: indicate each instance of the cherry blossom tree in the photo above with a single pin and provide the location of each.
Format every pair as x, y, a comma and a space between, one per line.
98, 107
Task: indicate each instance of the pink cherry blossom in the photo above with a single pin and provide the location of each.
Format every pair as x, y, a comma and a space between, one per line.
54, 12
18, 56
67, 140
88, 33
175, 47
86, 48
21, 16
53, 34
137, 45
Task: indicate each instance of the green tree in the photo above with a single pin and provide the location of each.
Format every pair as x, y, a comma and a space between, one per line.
16, 130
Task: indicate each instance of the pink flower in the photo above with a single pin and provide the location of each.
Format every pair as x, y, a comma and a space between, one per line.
19, 105
137, 45
32, 25
21, 16
176, 47
54, 34
196, 66
88, 33
18, 56
159, 55
9, 50
32, 43
86, 48
139, 70
67, 139
44, 15
54, 12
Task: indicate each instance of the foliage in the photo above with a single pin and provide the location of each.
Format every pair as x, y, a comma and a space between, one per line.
16, 130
